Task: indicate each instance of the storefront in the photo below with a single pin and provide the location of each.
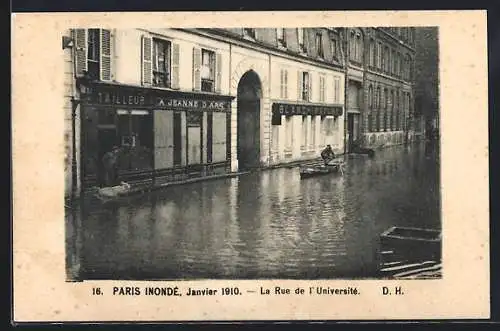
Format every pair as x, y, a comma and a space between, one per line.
306, 128
162, 135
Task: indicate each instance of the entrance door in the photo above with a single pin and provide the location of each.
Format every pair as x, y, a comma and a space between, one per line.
177, 139
352, 130
248, 144
106, 139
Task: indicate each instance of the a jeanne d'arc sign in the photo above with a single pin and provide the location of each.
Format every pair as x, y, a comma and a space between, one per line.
156, 99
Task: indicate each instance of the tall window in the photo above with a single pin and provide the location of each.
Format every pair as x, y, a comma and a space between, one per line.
249, 32
319, 45
281, 36
336, 89
161, 63
207, 70
373, 55
284, 84
370, 107
359, 48
305, 86
334, 49
356, 47
379, 55
321, 89
93, 46
300, 37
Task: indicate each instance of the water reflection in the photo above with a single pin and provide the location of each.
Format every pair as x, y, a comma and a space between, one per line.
262, 225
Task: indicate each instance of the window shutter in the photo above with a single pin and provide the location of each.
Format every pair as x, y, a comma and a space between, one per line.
80, 37
285, 84
196, 69
105, 52
299, 85
281, 83
218, 70
175, 66
147, 54
309, 95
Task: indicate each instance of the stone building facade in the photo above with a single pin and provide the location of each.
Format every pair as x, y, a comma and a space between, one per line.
427, 78
380, 96
184, 103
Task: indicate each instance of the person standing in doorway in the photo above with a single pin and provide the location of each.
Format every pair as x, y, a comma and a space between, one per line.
110, 165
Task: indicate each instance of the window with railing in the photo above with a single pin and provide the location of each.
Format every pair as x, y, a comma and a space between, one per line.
207, 70
161, 63
305, 86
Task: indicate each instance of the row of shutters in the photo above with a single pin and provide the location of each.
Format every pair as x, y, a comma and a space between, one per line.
105, 67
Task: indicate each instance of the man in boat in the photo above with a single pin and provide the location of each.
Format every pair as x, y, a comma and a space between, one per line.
327, 154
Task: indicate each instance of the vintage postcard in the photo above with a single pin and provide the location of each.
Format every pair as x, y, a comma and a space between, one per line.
221, 166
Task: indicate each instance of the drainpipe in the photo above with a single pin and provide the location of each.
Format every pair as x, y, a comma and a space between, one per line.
345, 59
270, 128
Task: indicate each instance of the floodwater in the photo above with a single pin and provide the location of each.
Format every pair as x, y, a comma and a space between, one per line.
267, 224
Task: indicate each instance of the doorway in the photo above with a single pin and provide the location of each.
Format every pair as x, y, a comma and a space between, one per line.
248, 141
352, 130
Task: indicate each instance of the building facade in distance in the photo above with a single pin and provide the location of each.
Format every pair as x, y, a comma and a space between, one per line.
427, 77
184, 103
380, 96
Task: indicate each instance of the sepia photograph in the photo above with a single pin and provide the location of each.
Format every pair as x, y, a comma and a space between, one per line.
252, 153
250, 166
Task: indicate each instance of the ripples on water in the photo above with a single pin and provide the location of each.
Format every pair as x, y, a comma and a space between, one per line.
268, 224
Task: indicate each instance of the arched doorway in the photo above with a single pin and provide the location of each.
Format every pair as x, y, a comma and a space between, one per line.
248, 143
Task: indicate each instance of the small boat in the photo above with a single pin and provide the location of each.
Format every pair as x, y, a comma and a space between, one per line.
113, 192
412, 242
318, 170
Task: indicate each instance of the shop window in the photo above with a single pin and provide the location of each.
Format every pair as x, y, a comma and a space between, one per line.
329, 126
135, 132
319, 45
275, 137
207, 70
300, 38
194, 119
249, 32
313, 131
281, 36
288, 132
93, 48
161, 63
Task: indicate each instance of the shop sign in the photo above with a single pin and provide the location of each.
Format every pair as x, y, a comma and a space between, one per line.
289, 109
155, 100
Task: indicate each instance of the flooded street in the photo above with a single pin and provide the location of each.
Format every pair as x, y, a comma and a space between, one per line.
268, 224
